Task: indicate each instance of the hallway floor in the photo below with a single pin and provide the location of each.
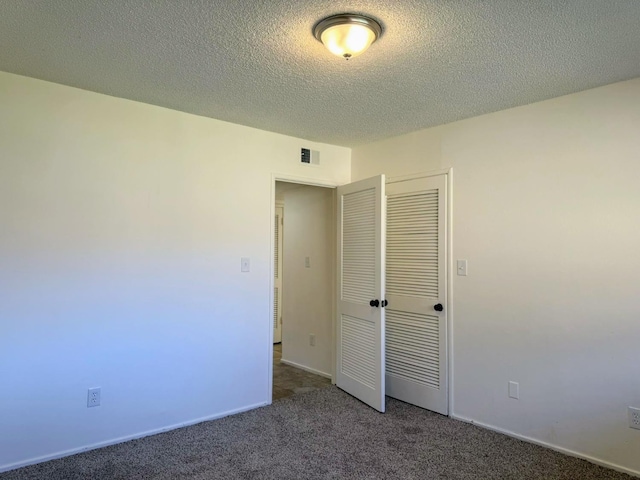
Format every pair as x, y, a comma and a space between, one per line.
288, 380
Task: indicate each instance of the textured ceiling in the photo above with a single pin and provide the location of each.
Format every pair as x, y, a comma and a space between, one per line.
256, 63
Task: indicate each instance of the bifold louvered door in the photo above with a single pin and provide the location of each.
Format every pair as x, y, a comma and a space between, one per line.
277, 274
360, 323
416, 366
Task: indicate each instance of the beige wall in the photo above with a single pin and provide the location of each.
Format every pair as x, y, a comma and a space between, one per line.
122, 228
546, 209
307, 292
123, 225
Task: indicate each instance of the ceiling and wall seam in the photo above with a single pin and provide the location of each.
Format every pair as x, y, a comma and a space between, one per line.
258, 64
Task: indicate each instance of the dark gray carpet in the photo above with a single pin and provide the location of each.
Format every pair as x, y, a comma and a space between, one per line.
318, 435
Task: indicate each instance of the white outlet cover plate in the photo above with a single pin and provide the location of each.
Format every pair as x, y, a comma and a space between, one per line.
634, 418
514, 390
93, 397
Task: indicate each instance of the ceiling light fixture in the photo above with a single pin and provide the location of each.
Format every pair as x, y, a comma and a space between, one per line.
347, 35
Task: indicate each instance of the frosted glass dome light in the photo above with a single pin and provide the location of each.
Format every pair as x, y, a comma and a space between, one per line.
347, 35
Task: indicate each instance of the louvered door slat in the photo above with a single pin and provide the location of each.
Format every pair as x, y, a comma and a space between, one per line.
358, 248
277, 274
430, 199
276, 308
276, 262
414, 282
412, 266
422, 256
422, 379
424, 332
412, 347
358, 360
418, 277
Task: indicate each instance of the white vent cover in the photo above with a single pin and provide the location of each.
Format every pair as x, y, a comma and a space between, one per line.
309, 157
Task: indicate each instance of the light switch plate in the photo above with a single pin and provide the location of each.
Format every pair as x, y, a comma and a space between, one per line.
514, 390
462, 268
245, 264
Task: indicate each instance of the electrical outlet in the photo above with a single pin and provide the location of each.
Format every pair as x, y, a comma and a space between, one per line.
312, 340
634, 418
93, 397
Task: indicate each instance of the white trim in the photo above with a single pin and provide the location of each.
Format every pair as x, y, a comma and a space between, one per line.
107, 443
413, 176
449, 300
278, 320
272, 233
307, 369
283, 177
334, 297
566, 451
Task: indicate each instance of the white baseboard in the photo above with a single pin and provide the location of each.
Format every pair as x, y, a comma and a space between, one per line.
308, 369
73, 451
571, 453
66, 453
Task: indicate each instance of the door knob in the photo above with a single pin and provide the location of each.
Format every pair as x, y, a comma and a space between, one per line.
374, 303
438, 307
384, 303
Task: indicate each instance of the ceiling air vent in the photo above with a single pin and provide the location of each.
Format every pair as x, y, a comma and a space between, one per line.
309, 157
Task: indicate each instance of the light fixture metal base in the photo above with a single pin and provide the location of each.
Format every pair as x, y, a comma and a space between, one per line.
347, 19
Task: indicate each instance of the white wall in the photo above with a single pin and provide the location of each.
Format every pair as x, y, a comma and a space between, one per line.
546, 207
307, 293
122, 227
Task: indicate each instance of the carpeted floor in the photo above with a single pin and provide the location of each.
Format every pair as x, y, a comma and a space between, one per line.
288, 380
318, 435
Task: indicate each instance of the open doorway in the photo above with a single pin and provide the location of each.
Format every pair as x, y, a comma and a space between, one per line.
304, 285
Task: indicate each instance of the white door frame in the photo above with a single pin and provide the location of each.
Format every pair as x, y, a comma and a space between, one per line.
278, 248
448, 173
282, 177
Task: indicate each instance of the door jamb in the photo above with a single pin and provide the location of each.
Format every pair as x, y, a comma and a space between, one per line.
279, 204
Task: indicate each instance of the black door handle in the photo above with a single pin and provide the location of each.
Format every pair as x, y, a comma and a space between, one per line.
374, 303
384, 303
438, 307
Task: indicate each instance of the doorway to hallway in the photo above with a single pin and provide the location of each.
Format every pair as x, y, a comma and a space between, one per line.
288, 380
304, 288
